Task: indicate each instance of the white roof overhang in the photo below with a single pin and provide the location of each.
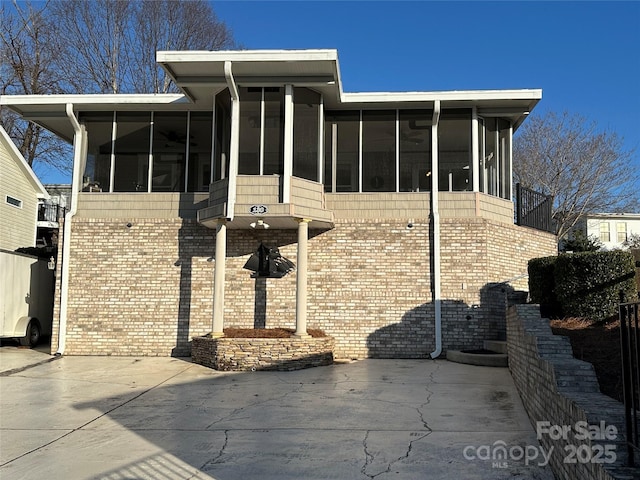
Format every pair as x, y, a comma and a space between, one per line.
49, 111
201, 74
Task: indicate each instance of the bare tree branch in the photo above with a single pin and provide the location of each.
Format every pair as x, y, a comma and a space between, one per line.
585, 170
97, 46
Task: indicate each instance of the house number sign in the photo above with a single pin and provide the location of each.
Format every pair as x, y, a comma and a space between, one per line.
258, 209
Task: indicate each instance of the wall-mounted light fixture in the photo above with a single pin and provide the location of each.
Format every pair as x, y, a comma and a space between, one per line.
259, 224
51, 264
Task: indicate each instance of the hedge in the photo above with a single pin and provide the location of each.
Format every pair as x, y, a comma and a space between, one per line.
588, 284
542, 285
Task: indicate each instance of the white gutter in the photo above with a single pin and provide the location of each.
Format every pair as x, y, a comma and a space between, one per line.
78, 167
435, 213
235, 139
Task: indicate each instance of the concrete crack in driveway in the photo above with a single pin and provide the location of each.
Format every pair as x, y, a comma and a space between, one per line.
218, 456
428, 399
235, 411
371, 457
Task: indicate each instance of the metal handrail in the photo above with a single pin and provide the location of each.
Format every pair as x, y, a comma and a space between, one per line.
630, 347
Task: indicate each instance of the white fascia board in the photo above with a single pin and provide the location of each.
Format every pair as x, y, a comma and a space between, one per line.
455, 95
41, 192
246, 55
616, 216
93, 99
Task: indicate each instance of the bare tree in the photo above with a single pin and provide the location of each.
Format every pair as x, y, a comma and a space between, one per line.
30, 62
97, 46
585, 170
96, 39
172, 25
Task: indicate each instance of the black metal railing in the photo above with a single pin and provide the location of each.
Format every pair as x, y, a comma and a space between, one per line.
629, 339
48, 212
534, 209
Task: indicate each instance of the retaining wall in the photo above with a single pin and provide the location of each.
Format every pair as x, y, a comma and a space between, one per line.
240, 354
558, 391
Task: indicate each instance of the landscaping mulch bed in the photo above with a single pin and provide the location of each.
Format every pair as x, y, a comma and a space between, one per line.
268, 333
599, 344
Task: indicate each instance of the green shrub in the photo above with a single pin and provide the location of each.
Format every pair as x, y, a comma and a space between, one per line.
588, 284
542, 283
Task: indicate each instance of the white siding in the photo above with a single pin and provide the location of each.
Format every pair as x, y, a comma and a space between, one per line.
18, 225
596, 225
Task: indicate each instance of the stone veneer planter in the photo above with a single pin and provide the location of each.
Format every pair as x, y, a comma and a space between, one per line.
242, 354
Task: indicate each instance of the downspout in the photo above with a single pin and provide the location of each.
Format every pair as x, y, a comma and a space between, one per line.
235, 138
78, 167
435, 215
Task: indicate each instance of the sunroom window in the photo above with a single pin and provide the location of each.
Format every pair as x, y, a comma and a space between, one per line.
261, 131
306, 115
415, 150
342, 147
379, 151
454, 151
170, 138
131, 152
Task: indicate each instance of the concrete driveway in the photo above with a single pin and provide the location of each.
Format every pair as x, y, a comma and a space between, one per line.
165, 418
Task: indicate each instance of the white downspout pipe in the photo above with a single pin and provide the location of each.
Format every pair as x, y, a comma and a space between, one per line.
78, 167
435, 213
235, 140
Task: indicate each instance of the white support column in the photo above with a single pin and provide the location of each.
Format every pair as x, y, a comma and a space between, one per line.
218, 279
475, 151
360, 153
321, 158
301, 278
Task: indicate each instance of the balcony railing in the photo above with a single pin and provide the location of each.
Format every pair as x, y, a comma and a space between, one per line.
534, 209
50, 212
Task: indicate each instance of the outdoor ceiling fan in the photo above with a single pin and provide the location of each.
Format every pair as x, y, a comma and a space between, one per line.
172, 137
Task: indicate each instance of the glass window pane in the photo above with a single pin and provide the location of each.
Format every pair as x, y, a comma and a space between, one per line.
379, 151
604, 232
505, 158
132, 152
415, 150
223, 135
97, 170
622, 232
273, 131
305, 133
200, 152
489, 161
169, 151
250, 125
454, 151
342, 129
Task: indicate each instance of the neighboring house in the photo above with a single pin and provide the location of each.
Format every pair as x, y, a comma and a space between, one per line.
612, 229
174, 194
20, 194
50, 213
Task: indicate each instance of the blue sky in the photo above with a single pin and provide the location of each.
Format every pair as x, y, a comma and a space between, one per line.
585, 56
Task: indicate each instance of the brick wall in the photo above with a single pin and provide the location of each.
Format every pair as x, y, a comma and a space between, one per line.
561, 390
146, 289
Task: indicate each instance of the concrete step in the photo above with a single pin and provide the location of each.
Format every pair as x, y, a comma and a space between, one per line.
498, 346
483, 359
